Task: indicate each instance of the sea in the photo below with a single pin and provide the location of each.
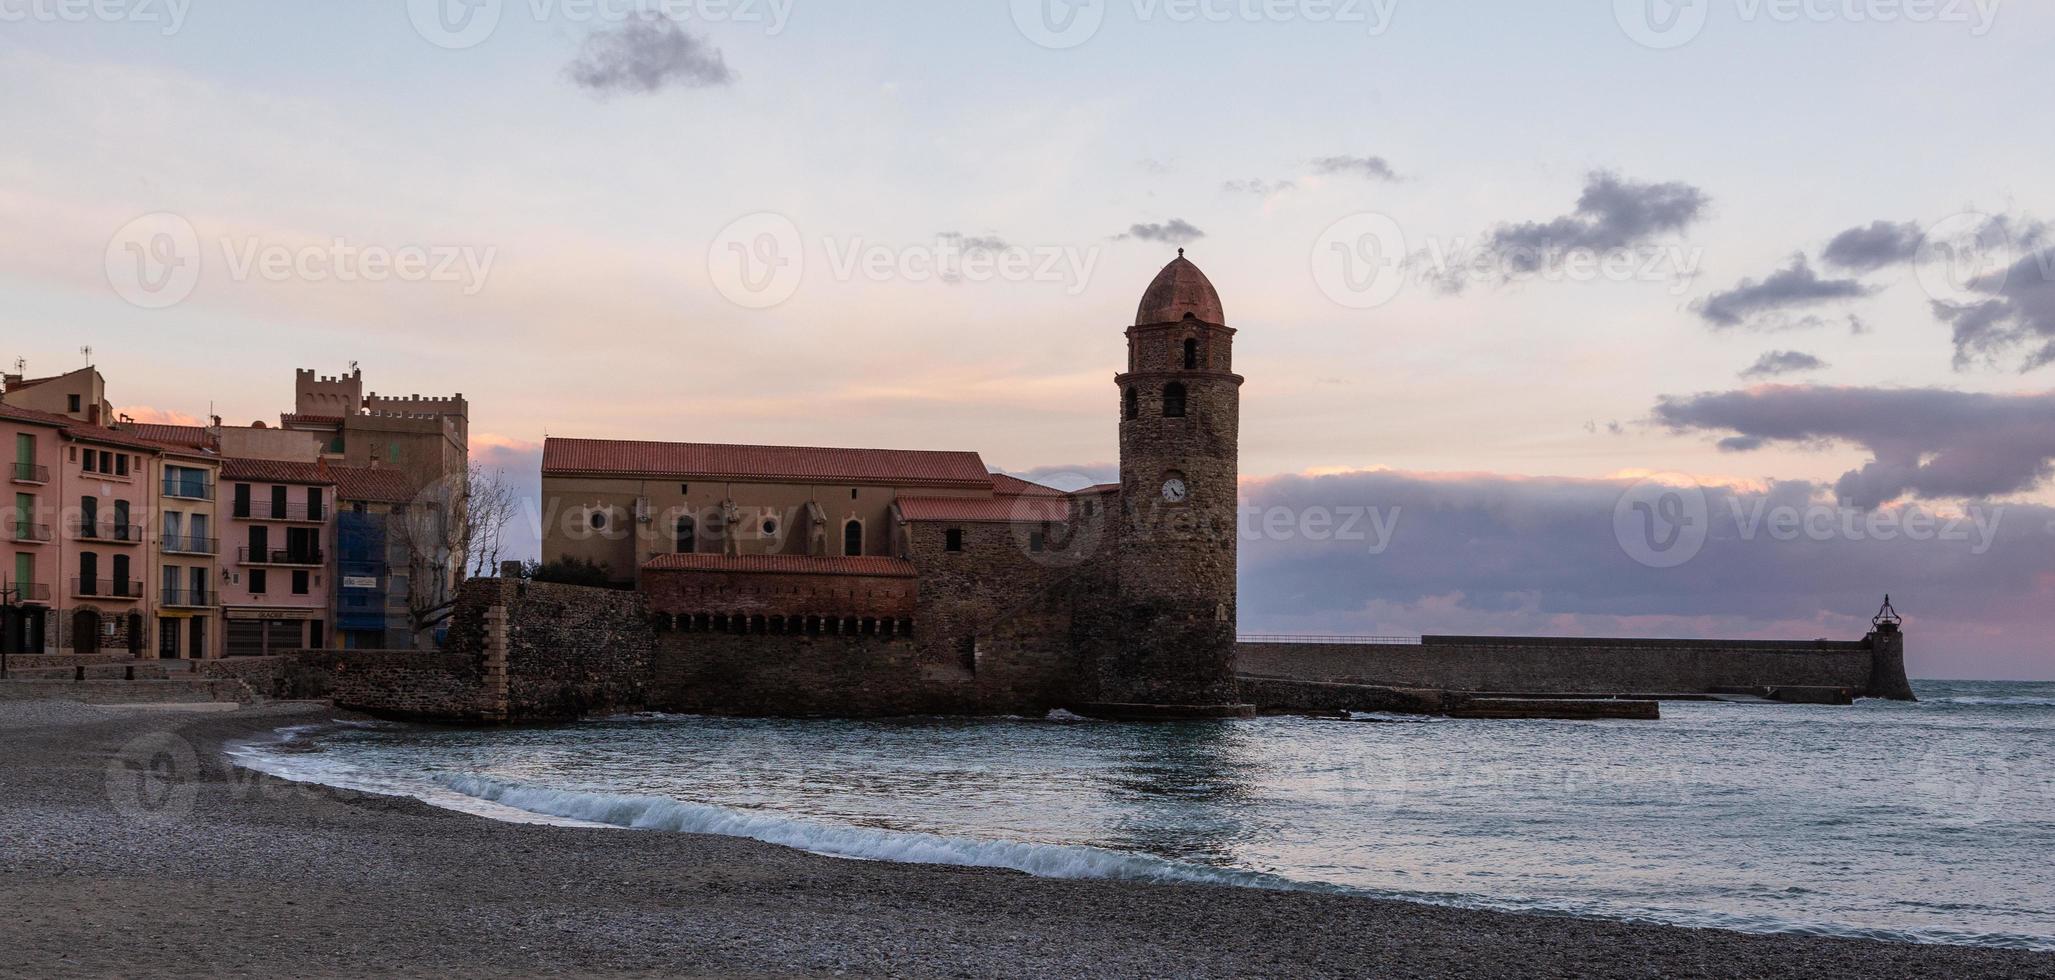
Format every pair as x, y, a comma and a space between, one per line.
1929, 822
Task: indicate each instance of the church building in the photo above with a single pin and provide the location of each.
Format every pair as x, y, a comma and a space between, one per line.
793, 580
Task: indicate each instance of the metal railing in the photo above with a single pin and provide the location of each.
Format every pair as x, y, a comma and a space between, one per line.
117, 533
188, 598
106, 588
309, 557
1327, 638
24, 531
264, 511
186, 489
27, 591
175, 544
29, 473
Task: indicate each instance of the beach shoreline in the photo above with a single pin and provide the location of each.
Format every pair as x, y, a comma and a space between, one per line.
222, 870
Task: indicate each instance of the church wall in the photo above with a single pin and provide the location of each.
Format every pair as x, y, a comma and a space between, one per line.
626, 545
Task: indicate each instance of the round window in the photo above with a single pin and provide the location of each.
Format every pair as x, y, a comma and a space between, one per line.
598, 520
770, 525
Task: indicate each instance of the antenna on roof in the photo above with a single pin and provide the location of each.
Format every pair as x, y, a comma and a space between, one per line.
21, 365
88, 352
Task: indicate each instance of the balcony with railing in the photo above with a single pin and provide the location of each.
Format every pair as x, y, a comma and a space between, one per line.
188, 488
291, 557
107, 533
186, 544
178, 598
18, 592
29, 473
106, 588
296, 513
24, 532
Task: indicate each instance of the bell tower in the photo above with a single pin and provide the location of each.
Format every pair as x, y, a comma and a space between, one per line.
1174, 570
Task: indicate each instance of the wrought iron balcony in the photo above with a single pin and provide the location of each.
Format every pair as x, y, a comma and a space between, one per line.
188, 598
29, 473
26, 591
175, 544
188, 489
107, 533
264, 511
296, 557
24, 531
106, 588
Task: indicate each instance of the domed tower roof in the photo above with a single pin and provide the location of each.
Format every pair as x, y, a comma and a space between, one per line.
1180, 290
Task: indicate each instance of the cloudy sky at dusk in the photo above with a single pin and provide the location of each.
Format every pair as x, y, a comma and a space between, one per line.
1492, 264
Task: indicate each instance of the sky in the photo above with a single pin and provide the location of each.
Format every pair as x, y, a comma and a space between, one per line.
1528, 289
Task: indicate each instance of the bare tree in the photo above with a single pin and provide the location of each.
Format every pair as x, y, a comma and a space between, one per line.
452, 529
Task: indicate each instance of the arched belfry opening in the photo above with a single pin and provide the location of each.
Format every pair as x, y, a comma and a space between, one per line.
1191, 353
1173, 400
1130, 404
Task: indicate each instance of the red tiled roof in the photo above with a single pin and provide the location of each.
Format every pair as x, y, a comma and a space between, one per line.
377, 486
1014, 486
875, 566
799, 464
189, 436
1098, 488
34, 417
985, 510
274, 471
109, 437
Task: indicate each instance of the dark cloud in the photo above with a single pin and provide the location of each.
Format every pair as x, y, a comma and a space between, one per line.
1487, 553
2017, 320
1760, 303
1173, 231
1376, 168
1930, 443
1883, 243
1257, 185
1776, 362
646, 54
974, 243
1612, 213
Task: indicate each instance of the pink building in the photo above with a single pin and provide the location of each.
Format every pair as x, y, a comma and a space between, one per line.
278, 532
29, 573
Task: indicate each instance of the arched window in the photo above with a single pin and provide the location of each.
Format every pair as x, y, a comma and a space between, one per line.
687, 536
1191, 354
852, 538
1130, 404
1173, 400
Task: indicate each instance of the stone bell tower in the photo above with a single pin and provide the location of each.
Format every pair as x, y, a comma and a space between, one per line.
1174, 570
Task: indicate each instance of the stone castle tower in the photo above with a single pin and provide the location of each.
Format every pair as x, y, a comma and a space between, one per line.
1174, 570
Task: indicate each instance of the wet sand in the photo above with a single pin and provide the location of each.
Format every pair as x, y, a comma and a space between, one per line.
215, 871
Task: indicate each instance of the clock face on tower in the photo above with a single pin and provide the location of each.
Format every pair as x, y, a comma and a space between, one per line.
1174, 490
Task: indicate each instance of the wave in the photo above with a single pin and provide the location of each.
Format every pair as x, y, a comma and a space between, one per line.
1996, 701
866, 843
